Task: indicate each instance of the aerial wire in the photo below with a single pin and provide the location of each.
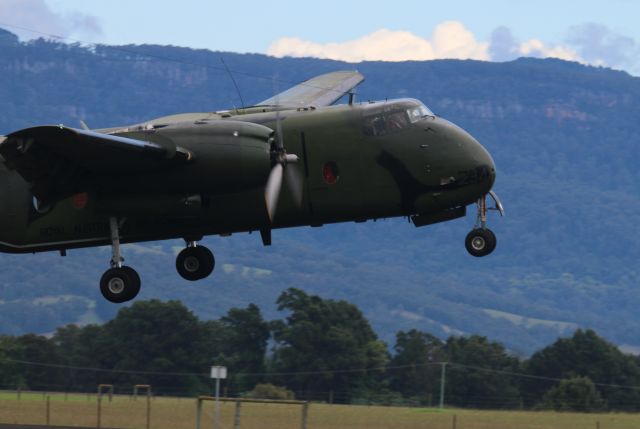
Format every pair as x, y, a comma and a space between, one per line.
234, 82
314, 372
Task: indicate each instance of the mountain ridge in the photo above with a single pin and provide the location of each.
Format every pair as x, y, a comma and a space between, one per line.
562, 134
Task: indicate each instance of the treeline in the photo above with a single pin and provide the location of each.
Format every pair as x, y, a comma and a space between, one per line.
322, 350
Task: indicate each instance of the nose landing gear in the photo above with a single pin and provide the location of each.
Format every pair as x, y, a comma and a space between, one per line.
119, 283
195, 262
481, 241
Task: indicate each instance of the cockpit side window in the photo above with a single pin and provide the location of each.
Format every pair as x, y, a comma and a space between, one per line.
375, 125
385, 122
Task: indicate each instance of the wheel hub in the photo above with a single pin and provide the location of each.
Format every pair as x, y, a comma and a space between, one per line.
116, 285
191, 264
478, 243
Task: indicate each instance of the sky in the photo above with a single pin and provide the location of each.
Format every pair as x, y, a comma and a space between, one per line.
603, 33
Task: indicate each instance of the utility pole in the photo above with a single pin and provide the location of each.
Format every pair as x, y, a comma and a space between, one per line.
443, 376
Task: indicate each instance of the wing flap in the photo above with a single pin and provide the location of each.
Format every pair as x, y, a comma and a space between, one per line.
323, 90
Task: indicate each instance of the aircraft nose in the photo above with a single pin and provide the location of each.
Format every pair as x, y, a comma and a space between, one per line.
483, 164
476, 166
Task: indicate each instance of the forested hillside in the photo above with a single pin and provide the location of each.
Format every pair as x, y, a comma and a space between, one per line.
564, 137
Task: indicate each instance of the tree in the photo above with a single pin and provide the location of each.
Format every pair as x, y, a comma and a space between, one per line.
574, 394
39, 359
10, 372
245, 346
82, 347
419, 351
478, 375
326, 346
163, 337
586, 354
151, 342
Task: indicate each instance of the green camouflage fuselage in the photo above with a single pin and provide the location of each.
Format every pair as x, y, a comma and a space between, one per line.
355, 161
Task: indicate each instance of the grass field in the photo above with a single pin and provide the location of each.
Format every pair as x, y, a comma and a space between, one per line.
179, 413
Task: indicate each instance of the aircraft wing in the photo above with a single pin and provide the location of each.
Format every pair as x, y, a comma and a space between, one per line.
58, 161
323, 90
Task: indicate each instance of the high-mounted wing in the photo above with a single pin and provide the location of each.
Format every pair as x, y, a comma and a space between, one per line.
323, 90
58, 161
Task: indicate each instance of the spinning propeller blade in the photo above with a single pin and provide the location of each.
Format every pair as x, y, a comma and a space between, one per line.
280, 160
272, 190
294, 181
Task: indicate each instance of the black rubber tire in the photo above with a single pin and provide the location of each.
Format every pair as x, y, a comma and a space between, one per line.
480, 242
119, 285
135, 287
195, 263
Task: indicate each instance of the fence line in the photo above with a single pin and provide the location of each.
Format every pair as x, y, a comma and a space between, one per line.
442, 420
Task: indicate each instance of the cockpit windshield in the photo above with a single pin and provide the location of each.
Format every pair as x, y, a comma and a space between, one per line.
419, 112
380, 119
385, 121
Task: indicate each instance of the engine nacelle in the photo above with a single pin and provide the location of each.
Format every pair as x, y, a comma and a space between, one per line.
228, 156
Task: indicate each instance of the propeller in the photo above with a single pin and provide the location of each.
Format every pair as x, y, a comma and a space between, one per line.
281, 160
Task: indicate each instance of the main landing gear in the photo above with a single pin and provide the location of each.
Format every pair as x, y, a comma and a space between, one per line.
195, 262
481, 241
119, 283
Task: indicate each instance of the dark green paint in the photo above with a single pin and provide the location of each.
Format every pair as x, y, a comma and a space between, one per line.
221, 190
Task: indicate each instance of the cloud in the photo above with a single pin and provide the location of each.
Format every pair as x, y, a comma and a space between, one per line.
538, 49
450, 39
36, 15
598, 45
504, 47
589, 43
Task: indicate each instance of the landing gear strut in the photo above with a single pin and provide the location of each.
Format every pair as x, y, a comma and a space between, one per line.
119, 283
481, 241
195, 262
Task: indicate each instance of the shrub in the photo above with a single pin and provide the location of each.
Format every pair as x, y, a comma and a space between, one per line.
269, 391
574, 394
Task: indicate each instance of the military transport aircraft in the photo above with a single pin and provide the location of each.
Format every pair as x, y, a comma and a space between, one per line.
196, 174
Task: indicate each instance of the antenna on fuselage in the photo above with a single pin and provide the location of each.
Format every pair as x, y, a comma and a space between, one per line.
232, 80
